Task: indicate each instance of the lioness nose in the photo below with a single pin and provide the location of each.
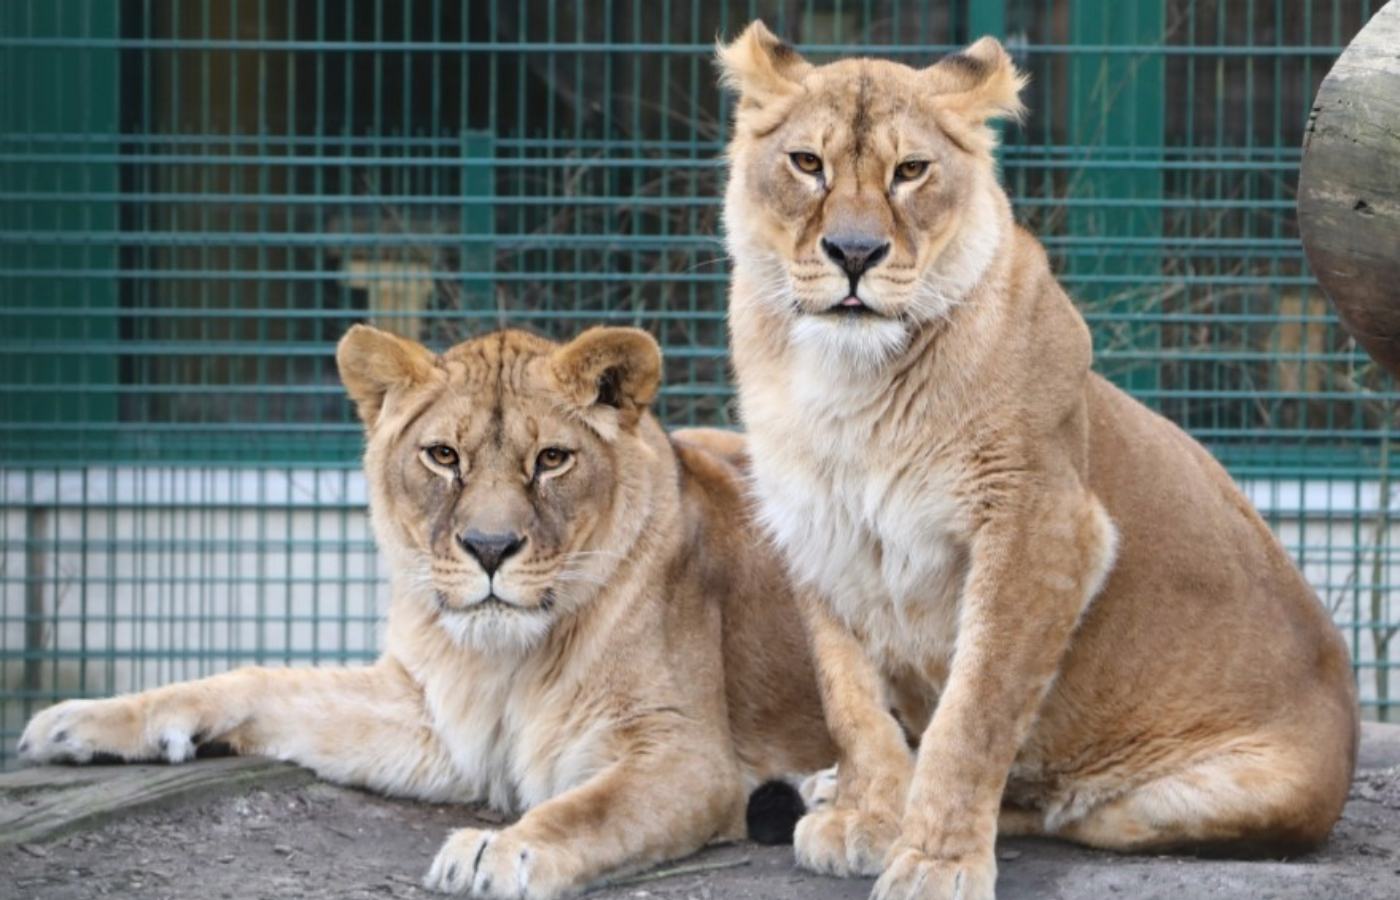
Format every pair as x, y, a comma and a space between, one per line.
490, 549
855, 254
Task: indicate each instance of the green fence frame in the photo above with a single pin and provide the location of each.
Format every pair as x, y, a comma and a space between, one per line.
197, 198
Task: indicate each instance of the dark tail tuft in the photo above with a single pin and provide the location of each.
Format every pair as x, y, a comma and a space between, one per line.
774, 808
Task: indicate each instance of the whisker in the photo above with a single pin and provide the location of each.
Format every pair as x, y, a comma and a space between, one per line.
717, 261
579, 578
613, 554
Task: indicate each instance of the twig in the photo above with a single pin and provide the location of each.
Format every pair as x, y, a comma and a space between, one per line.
677, 871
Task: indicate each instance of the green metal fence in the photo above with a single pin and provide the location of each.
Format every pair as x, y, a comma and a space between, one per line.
197, 198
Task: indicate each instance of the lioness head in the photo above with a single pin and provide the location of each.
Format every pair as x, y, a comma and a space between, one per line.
506, 475
862, 194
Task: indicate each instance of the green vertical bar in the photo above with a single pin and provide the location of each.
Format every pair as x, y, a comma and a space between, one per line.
1116, 109
476, 257
985, 17
52, 107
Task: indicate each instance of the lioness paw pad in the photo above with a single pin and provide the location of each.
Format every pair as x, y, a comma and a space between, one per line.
914, 875
494, 865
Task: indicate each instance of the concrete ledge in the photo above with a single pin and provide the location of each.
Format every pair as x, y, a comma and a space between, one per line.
1380, 746
47, 801
238, 828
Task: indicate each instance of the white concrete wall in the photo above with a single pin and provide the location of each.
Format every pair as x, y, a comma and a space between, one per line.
223, 567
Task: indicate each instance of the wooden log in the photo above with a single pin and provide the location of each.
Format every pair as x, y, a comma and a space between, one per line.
1349, 187
47, 801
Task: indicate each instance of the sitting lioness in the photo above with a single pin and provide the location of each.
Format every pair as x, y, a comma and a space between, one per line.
584, 626
1065, 601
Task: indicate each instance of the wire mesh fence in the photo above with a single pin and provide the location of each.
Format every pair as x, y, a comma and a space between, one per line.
197, 198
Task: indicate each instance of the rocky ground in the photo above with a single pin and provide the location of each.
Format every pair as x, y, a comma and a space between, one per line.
298, 838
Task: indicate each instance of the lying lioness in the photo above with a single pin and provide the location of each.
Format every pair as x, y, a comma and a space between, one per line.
1088, 627
584, 626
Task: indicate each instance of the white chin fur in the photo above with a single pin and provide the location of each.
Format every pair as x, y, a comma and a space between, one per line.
865, 343
496, 631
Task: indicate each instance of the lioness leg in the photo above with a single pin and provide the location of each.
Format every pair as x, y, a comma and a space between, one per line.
1016, 822
669, 795
1033, 567
363, 726
851, 834
1270, 796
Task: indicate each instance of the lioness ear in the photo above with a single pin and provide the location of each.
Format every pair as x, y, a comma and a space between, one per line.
372, 363
759, 67
979, 84
617, 368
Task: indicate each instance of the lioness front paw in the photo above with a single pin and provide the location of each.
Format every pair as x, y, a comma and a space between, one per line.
500, 865
843, 842
912, 874
80, 731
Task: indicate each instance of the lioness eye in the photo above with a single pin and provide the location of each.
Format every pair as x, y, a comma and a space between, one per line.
810, 163
551, 458
443, 455
910, 169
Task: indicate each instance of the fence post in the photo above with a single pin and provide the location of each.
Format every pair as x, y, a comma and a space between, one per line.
1116, 109
35, 524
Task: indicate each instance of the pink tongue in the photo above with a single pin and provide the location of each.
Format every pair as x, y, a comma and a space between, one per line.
852, 301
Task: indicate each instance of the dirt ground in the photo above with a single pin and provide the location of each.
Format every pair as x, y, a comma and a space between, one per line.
315, 840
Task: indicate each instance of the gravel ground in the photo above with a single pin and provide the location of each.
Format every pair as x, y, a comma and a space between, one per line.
320, 841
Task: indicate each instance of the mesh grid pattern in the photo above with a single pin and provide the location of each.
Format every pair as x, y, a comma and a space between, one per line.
197, 198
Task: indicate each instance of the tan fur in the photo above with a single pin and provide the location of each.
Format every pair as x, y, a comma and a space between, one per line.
1066, 602
644, 666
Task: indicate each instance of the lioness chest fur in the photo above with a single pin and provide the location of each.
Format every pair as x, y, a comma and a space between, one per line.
1069, 607
886, 543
